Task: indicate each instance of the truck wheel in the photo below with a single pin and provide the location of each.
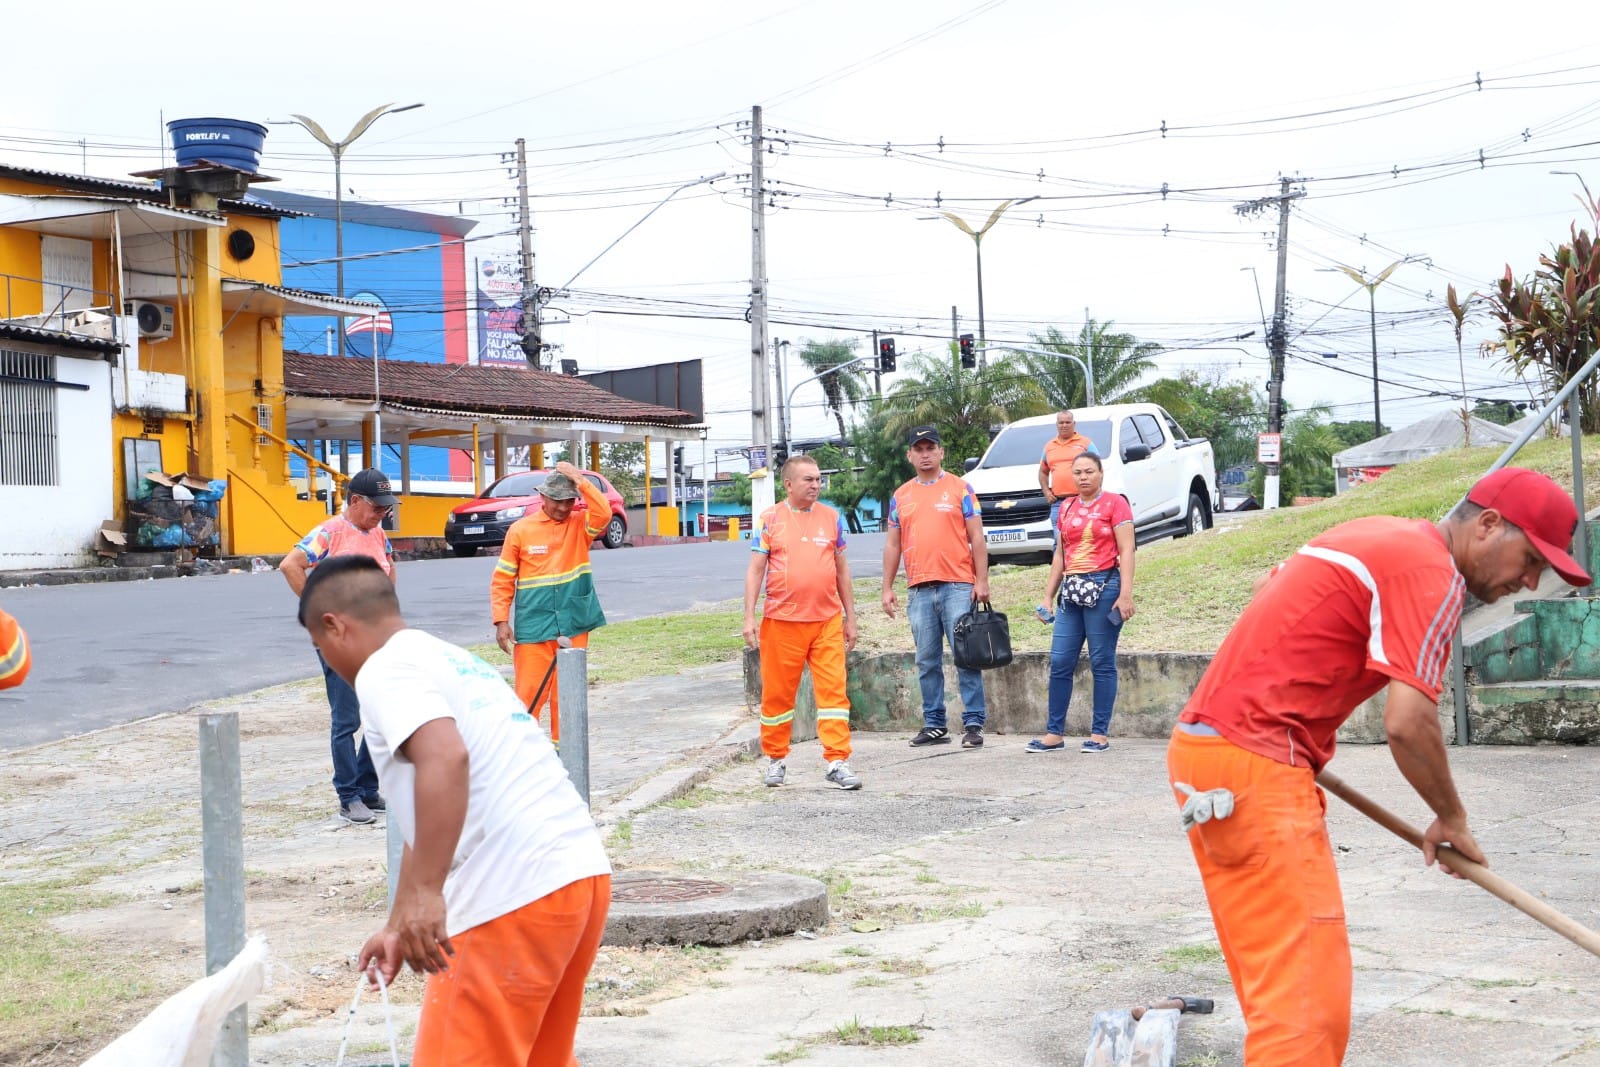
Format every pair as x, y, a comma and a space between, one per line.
1198, 519
615, 532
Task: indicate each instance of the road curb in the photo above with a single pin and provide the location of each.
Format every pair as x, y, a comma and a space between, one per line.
743, 740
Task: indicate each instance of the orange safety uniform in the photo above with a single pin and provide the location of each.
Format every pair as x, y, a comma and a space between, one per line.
531, 965
16, 660
542, 585
802, 624
1367, 602
1057, 462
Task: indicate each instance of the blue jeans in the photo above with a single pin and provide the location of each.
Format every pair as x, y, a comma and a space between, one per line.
1073, 624
933, 610
354, 777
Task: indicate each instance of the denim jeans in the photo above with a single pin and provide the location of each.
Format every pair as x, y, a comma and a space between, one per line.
354, 777
933, 610
1073, 624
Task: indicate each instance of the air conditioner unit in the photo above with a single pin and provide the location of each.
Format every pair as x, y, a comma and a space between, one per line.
155, 320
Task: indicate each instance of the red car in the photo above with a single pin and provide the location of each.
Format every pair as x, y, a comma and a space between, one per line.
482, 523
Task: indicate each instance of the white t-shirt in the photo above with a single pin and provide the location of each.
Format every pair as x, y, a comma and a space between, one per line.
527, 832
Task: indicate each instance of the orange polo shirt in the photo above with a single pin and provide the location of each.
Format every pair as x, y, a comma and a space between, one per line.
1369, 600
802, 550
932, 520
1057, 462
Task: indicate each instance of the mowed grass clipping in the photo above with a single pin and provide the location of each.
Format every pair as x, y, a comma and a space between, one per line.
1189, 591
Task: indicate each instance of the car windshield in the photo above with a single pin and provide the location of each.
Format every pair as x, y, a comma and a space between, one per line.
525, 484
1024, 445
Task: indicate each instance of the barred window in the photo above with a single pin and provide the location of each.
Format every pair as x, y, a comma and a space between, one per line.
28, 444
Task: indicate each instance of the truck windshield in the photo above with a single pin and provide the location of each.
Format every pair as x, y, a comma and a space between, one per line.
1024, 445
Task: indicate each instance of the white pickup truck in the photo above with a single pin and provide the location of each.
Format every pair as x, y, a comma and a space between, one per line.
1169, 478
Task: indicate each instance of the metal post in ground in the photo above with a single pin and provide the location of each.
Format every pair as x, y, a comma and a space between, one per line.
572, 682
222, 863
395, 847
1580, 539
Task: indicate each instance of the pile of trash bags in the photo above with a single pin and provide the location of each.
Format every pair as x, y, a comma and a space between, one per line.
175, 511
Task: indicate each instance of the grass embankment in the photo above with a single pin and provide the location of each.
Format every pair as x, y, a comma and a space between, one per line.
1187, 592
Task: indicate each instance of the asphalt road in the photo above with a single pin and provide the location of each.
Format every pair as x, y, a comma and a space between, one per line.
113, 652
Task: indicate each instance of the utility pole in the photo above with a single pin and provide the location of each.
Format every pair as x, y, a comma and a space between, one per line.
762, 490
532, 335
877, 369
1278, 335
955, 338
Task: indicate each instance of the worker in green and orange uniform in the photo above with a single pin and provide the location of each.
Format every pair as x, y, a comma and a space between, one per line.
542, 588
15, 657
1371, 604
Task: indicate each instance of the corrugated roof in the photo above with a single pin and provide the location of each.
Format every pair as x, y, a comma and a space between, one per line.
144, 190
1428, 437
358, 211
11, 331
467, 388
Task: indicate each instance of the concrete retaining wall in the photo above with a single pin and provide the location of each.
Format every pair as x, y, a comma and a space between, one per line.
1152, 689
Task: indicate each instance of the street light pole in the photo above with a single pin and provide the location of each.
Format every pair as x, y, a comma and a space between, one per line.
337, 148
977, 246
1371, 286
1088, 370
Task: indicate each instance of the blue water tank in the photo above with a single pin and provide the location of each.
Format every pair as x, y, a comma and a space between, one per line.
230, 142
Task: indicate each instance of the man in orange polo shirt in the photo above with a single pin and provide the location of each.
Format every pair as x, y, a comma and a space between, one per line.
1055, 465
542, 588
935, 524
15, 658
1371, 604
809, 620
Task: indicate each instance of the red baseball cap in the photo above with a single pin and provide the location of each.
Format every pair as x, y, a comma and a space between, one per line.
1540, 508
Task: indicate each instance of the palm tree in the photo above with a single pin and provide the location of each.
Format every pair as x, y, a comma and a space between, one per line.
965, 405
1118, 360
841, 387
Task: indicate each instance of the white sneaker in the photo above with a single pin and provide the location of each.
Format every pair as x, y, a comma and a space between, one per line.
841, 776
776, 770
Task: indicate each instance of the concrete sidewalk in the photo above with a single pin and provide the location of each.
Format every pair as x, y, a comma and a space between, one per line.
987, 903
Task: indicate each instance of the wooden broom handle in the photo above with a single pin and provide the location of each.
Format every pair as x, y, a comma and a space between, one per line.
1518, 898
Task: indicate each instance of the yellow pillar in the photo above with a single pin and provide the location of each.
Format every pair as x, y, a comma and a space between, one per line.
594, 455
477, 462
536, 457
499, 454
366, 440
210, 388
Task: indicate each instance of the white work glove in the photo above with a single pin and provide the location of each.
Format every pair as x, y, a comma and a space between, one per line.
1203, 806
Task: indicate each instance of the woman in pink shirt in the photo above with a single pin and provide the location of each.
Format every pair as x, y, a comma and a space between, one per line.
1091, 588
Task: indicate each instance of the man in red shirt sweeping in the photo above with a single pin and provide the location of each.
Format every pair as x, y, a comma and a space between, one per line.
1370, 605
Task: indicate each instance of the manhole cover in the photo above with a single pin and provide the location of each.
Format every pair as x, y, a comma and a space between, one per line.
655, 890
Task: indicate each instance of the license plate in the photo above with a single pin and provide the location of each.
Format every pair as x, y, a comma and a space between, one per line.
470, 530
1002, 537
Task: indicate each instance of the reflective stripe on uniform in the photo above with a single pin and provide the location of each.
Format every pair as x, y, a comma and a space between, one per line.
778, 720
16, 657
544, 580
834, 713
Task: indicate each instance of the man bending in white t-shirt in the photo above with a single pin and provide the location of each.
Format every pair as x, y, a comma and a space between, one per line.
504, 885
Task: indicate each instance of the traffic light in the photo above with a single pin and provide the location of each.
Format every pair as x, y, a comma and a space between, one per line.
969, 354
886, 354
677, 461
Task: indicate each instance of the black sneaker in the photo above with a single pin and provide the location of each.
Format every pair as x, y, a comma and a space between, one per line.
973, 738
931, 735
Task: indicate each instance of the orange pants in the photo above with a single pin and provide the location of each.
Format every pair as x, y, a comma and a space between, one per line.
1274, 893
514, 989
786, 649
529, 663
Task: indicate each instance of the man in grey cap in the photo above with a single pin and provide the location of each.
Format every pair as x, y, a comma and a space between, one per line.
542, 589
357, 531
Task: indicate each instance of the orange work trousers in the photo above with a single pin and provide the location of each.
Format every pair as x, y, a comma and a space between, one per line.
514, 988
529, 662
1274, 893
787, 648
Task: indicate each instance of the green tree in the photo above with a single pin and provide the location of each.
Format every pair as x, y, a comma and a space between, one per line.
1357, 432
1550, 322
1309, 442
733, 490
881, 453
1501, 412
841, 387
1118, 360
964, 404
622, 462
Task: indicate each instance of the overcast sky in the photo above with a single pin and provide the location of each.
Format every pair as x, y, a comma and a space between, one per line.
1380, 109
